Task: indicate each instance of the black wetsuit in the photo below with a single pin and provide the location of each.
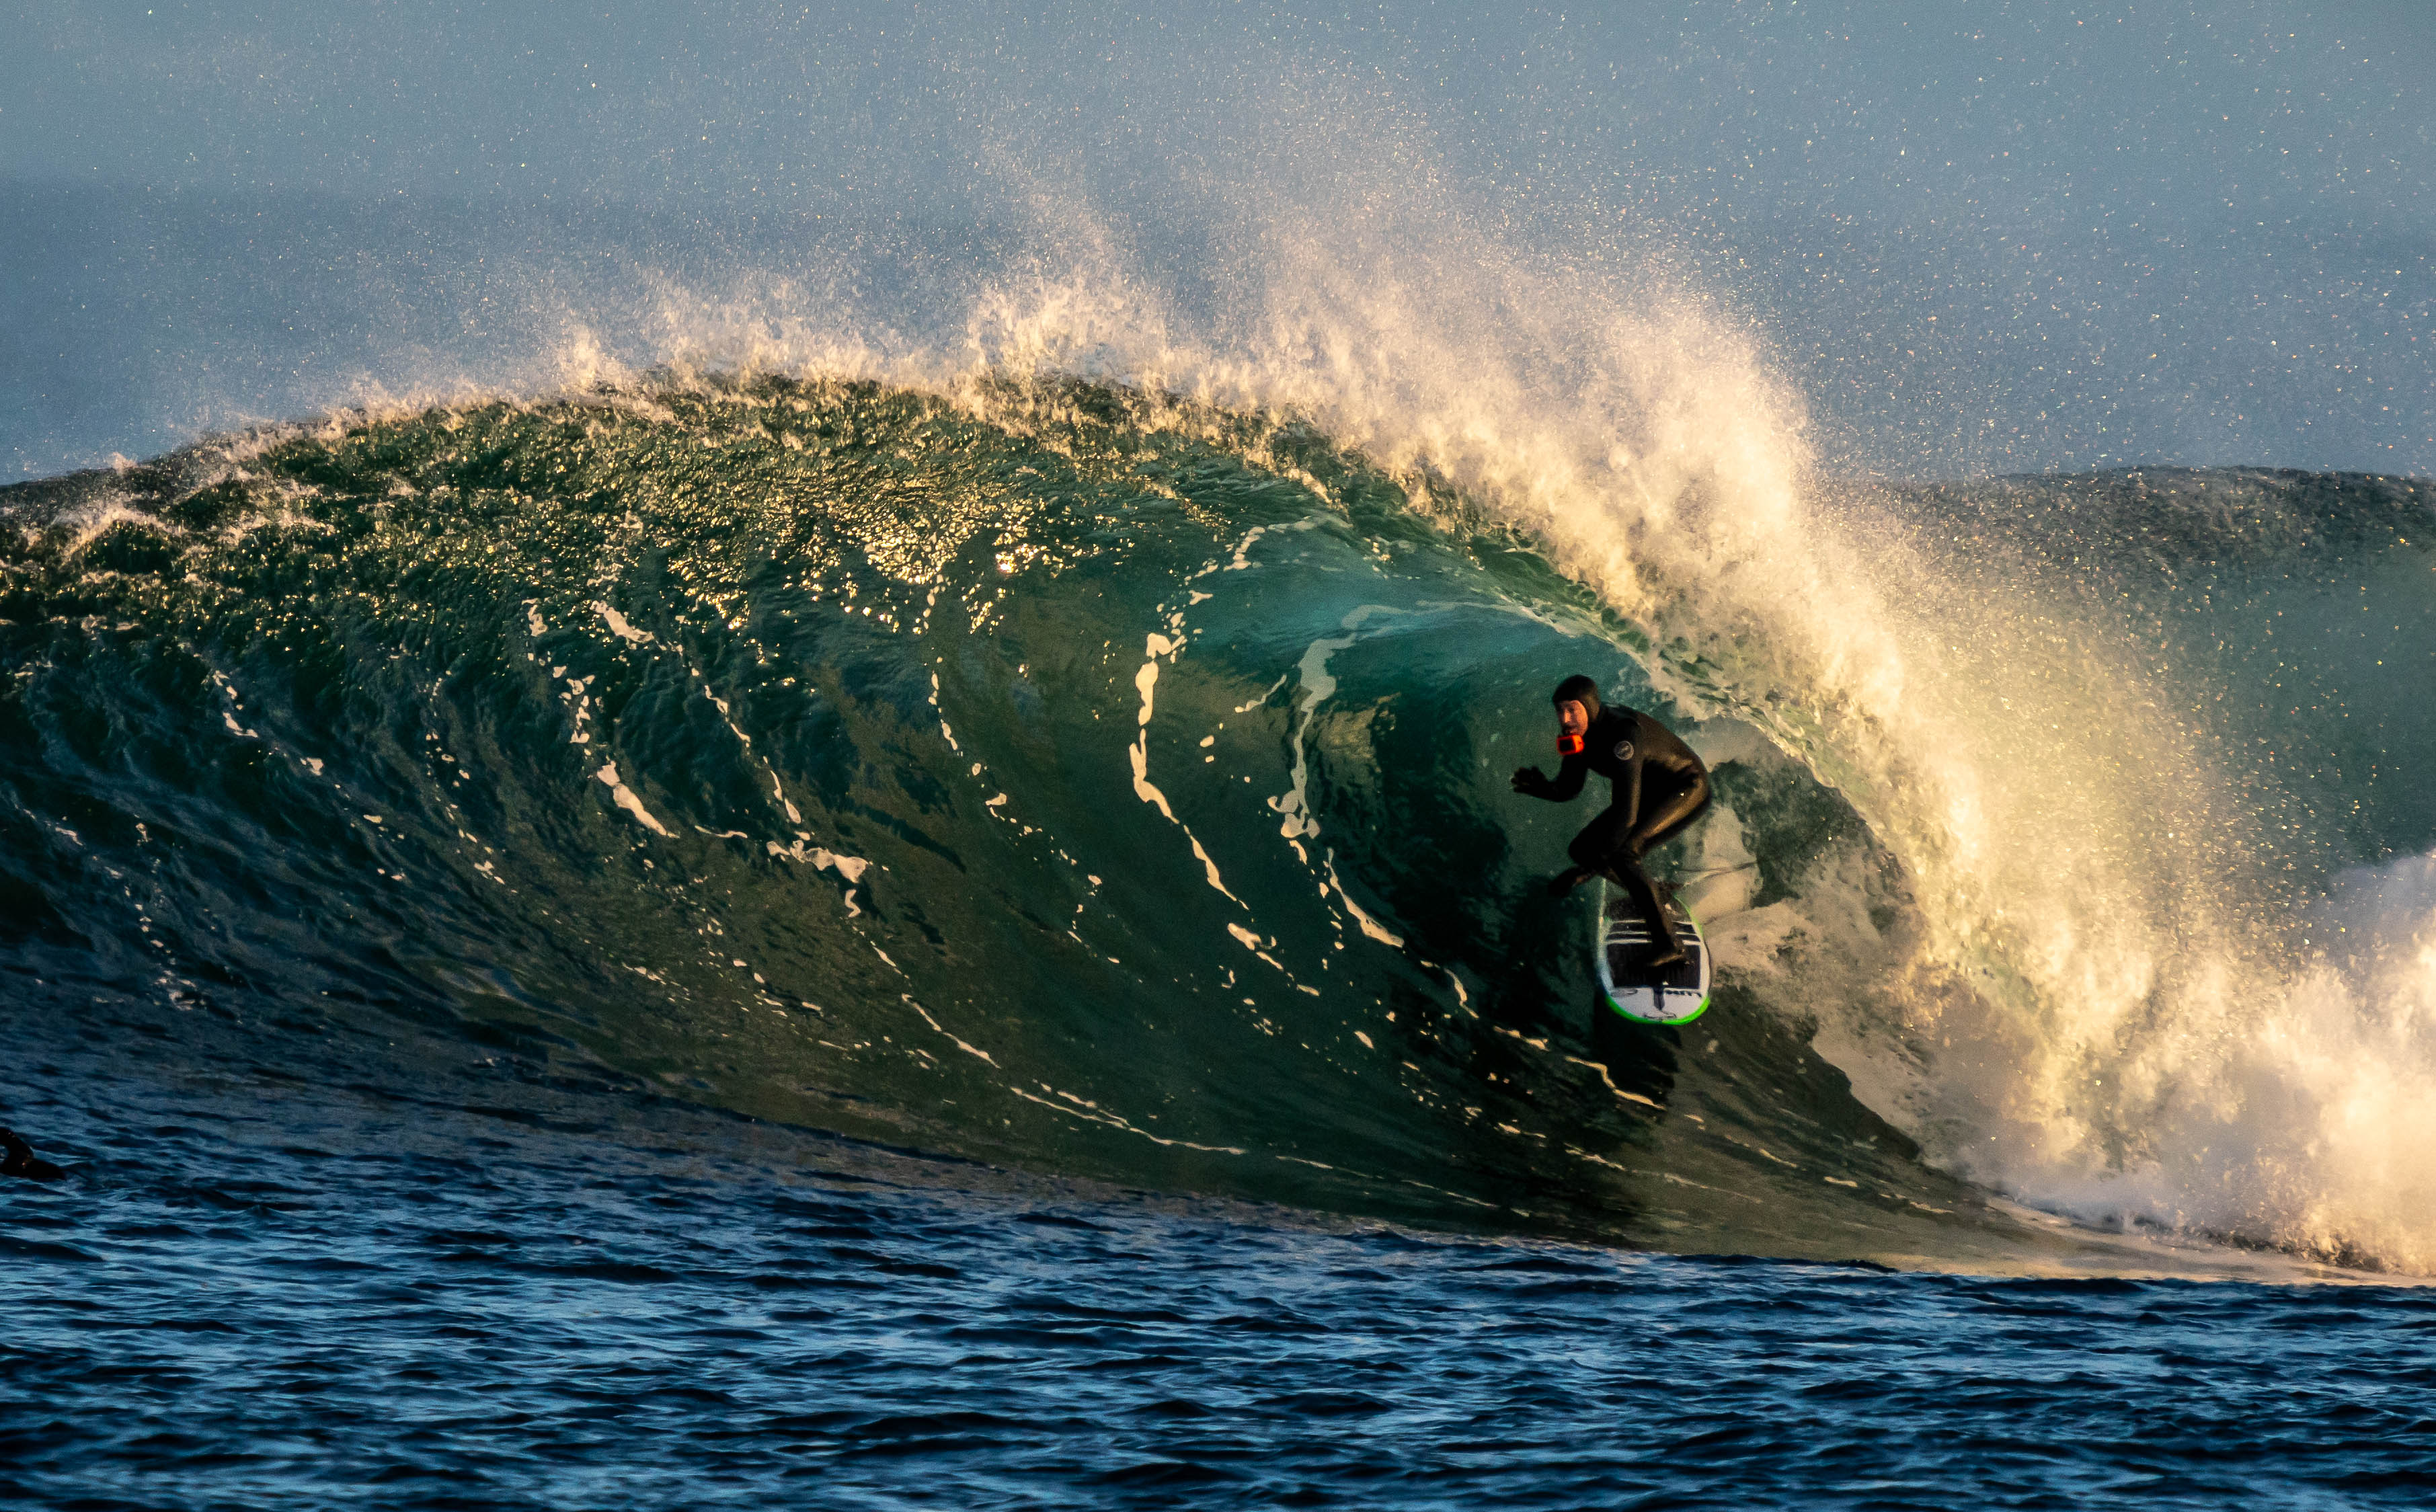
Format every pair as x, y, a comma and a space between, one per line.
1659, 787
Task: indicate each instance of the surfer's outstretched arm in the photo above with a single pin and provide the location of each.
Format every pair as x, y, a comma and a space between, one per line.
1563, 788
1577, 707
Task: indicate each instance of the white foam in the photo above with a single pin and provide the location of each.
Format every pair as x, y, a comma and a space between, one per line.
619, 627
626, 800
1371, 926
1137, 756
1319, 686
972, 1049
849, 867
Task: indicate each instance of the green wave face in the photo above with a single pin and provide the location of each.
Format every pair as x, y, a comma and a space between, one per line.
1046, 775
1046, 778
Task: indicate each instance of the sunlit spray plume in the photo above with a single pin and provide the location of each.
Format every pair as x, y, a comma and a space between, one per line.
2079, 987
2077, 981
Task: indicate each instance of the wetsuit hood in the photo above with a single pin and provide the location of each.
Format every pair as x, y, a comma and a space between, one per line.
1580, 689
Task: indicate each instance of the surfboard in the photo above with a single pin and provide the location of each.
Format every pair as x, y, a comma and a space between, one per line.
1675, 996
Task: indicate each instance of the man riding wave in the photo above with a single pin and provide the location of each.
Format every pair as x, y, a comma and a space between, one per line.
1658, 788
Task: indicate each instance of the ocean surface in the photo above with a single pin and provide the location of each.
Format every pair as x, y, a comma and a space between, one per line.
720, 937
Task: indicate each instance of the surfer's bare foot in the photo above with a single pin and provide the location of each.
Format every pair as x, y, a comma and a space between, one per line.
1668, 956
1566, 881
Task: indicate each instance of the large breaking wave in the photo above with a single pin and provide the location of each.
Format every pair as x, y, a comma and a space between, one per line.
1109, 777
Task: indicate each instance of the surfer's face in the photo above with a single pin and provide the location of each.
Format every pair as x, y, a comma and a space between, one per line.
1572, 719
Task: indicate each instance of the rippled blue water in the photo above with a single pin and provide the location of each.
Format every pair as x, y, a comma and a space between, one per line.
249, 1295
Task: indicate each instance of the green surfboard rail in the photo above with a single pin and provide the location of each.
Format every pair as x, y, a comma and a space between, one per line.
1708, 965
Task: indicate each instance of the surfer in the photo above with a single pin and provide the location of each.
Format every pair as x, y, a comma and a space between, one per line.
1657, 785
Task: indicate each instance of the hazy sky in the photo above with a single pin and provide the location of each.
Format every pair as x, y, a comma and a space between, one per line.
1977, 236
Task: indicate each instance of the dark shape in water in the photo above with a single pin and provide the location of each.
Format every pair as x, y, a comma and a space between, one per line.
20, 1160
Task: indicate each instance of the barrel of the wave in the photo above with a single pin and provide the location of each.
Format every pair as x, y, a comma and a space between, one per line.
1668, 994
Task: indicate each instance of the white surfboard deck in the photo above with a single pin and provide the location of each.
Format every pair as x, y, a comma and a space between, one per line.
1676, 995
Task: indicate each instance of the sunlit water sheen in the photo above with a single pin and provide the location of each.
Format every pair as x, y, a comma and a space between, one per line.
251, 1294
